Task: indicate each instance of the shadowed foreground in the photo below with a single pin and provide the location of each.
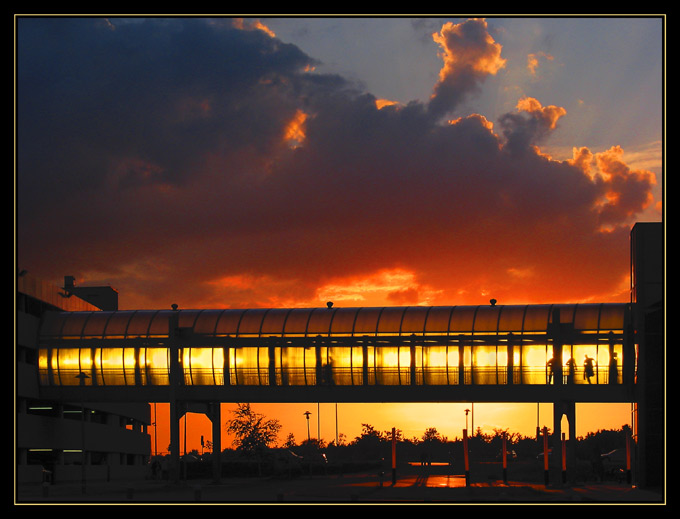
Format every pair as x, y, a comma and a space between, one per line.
413, 485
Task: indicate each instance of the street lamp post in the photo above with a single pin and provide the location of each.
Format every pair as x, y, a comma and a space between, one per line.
467, 411
307, 413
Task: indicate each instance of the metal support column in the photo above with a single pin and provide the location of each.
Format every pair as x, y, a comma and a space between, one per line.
215, 416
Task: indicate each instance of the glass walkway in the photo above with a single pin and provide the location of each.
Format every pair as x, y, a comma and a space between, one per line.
391, 346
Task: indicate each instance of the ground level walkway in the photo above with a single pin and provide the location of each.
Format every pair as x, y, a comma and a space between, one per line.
417, 486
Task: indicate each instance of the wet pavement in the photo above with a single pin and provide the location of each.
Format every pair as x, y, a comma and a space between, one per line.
416, 488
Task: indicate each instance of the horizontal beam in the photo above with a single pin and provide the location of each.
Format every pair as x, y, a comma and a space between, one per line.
344, 394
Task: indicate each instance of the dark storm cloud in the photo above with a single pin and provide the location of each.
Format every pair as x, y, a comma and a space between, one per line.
95, 91
155, 150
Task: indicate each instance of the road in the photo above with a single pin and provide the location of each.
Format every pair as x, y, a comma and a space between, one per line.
410, 485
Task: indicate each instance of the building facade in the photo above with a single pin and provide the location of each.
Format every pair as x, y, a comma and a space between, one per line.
57, 441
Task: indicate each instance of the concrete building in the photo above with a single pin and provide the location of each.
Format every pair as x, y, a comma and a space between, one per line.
61, 441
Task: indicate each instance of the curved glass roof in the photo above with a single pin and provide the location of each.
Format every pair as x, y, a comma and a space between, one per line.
334, 322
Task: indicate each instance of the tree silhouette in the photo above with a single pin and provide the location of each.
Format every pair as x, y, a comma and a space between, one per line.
252, 431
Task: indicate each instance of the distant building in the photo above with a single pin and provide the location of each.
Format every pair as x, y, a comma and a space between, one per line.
50, 435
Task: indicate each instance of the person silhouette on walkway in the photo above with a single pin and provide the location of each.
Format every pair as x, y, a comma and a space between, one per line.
588, 368
571, 370
552, 363
613, 369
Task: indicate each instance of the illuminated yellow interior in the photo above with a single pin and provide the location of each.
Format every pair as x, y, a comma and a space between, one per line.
343, 365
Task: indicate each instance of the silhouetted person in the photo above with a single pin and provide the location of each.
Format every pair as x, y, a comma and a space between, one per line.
571, 370
613, 369
588, 368
552, 364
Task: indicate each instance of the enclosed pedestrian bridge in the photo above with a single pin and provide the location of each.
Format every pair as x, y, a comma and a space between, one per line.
499, 353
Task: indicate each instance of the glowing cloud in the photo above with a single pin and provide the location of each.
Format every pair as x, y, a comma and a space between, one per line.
232, 176
397, 286
470, 54
533, 61
548, 115
294, 132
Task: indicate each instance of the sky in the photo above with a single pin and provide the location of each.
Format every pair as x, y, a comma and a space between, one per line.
369, 161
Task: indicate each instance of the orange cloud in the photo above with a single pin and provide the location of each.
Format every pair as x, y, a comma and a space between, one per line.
533, 60
294, 132
468, 45
470, 54
381, 103
548, 114
396, 286
625, 191
242, 24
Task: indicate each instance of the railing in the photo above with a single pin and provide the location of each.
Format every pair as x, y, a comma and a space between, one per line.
61, 367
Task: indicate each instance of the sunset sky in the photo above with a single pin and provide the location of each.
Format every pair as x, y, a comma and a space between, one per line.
286, 162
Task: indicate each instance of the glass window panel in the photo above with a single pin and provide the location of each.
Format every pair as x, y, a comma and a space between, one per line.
566, 313
117, 325
486, 319
296, 323
206, 322
370, 361
511, 318
438, 320
250, 366
536, 318
218, 366
416, 358
467, 364
130, 363
95, 325
228, 322
438, 361
344, 365
187, 318
156, 364
534, 361
320, 322
414, 320
393, 365
390, 321
484, 364
199, 368
367, 321
273, 322
67, 363
357, 365
462, 319
73, 326
343, 321
612, 317
139, 324
251, 323
587, 317
387, 362
293, 363
52, 324
43, 363
108, 364
160, 324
